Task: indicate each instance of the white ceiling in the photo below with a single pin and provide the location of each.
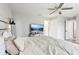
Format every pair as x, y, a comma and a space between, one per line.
41, 9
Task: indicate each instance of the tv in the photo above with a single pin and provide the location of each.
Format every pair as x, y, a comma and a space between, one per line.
36, 28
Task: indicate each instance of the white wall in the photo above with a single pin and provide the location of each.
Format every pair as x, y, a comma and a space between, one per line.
56, 28
5, 12
77, 27
23, 21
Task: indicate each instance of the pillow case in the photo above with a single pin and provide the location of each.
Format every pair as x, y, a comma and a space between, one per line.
7, 34
19, 44
11, 48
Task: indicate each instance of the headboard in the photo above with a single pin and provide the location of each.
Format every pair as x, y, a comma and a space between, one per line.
3, 26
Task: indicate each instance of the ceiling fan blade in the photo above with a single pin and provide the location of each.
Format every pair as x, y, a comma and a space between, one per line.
4, 22
67, 8
60, 5
53, 12
51, 9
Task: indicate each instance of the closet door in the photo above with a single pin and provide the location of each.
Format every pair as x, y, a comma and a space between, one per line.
70, 29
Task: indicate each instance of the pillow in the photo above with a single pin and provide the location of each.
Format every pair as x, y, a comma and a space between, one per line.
7, 34
11, 48
19, 43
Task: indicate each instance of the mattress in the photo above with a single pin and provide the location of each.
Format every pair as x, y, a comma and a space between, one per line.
48, 46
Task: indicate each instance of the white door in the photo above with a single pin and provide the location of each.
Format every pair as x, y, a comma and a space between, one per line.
70, 29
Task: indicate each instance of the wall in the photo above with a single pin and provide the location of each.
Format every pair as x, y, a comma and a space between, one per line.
77, 27
5, 12
23, 21
56, 28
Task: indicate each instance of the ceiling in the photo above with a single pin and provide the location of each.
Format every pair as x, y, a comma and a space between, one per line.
41, 9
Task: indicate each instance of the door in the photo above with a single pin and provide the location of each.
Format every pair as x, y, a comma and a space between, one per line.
70, 29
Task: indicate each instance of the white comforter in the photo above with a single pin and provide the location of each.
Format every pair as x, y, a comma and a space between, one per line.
49, 46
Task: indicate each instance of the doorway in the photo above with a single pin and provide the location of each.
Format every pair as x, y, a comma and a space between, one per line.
70, 30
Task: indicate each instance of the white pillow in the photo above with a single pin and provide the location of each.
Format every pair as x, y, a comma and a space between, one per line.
7, 34
19, 43
11, 48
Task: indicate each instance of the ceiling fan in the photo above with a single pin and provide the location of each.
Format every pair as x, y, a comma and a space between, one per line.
59, 8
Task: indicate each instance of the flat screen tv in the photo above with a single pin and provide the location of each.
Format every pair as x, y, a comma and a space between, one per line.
37, 28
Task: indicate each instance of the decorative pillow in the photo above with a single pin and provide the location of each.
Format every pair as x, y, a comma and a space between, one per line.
11, 48
19, 43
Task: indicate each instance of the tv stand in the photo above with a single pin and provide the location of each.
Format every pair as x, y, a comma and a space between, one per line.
35, 34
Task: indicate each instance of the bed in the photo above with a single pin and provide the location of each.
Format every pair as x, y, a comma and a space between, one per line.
42, 45
48, 46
